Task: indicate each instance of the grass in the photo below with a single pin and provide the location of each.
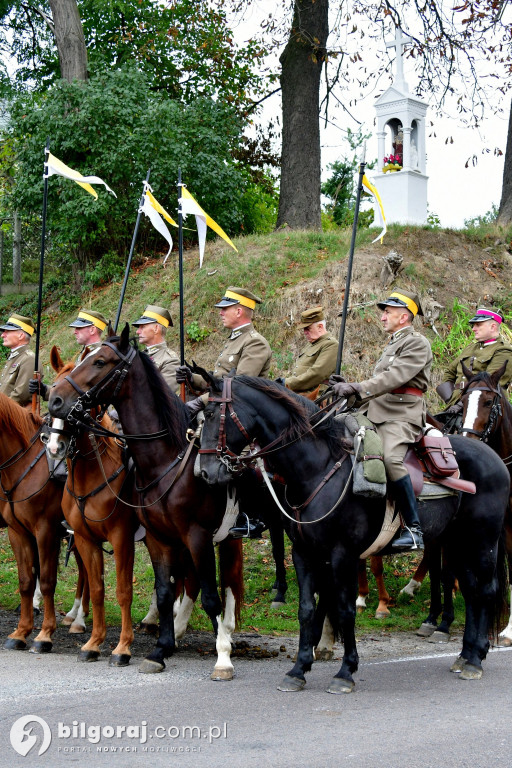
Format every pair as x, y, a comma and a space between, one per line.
257, 614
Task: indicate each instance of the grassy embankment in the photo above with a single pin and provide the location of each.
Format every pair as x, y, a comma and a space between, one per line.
291, 270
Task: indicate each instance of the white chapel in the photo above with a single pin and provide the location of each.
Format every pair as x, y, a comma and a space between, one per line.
401, 179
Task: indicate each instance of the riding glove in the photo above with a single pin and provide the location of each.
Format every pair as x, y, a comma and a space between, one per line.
183, 374
345, 389
37, 386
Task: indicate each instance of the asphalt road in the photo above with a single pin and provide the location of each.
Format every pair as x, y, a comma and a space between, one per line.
405, 713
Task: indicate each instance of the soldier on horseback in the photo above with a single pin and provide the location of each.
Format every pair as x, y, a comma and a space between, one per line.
151, 329
393, 400
317, 360
19, 368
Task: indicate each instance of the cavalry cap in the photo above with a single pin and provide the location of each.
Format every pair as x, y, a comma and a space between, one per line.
402, 298
89, 317
154, 314
310, 316
241, 296
19, 323
483, 314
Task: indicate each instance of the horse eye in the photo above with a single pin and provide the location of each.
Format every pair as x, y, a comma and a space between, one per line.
99, 363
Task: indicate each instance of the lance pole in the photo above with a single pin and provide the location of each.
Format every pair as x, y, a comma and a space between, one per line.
180, 273
35, 396
130, 255
362, 166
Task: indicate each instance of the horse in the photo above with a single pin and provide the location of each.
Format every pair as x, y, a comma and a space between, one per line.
31, 508
330, 527
487, 416
179, 511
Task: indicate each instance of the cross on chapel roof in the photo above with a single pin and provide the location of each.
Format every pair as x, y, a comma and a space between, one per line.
399, 44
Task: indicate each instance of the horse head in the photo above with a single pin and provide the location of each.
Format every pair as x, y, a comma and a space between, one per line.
95, 380
482, 399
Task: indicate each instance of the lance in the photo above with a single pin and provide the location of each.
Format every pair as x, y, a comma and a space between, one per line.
37, 375
350, 260
130, 255
180, 273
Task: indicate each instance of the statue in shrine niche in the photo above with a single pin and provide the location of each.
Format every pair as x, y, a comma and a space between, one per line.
414, 155
398, 145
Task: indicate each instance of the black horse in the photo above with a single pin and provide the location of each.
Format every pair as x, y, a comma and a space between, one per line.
330, 526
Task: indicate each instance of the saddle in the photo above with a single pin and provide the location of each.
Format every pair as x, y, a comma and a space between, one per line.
433, 459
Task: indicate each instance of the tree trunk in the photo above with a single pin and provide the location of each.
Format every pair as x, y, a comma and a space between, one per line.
505, 213
69, 37
301, 67
16, 250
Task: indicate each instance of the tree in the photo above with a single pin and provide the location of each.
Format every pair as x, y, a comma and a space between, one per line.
505, 211
69, 38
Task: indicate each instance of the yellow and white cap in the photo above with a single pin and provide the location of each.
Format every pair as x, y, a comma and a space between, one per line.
89, 317
402, 298
234, 295
19, 323
154, 314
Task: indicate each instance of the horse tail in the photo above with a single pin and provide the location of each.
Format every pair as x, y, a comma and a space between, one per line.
231, 573
499, 613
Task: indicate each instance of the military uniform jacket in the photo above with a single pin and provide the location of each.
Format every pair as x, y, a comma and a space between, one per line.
166, 360
314, 365
246, 350
17, 372
405, 362
479, 356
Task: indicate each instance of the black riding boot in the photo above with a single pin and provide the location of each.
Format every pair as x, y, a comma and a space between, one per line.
245, 528
411, 536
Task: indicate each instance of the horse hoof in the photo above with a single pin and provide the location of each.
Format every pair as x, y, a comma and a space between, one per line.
15, 644
340, 685
148, 629
291, 684
277, 604
119, 660
41, 646
323, 654
458, 665
222, 674
426, 629
361, 609
382, 614
149, 667
76, 629
439, 637
471, 672
66, 621
504, 642
88, 656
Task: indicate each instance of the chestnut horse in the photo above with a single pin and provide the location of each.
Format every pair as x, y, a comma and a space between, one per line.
178, 510
31, 508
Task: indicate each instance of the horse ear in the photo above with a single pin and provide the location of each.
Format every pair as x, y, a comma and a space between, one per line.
496, 376
110, 330
125, 338
56, 360
467, 373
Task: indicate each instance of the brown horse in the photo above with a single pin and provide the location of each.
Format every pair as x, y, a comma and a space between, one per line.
99, 504
487, 416
31, 507
180, 513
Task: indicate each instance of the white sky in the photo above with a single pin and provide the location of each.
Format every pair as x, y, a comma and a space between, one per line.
455, 193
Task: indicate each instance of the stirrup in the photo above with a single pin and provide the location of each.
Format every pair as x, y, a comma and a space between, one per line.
410, 540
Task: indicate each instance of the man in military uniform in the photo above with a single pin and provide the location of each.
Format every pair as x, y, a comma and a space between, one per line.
393, 400
317, 361
487, 353
87, 330
248, 352
19, 368
151, 328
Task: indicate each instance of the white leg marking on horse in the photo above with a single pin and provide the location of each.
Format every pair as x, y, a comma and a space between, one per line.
507, 632
360, 602
224, 667
78, 624
182, 616
152, 615
471, 411
36, 600
72, 614
326, 642
411, 588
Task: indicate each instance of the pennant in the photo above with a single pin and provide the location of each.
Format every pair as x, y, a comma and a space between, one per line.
152, 209
189, 205
379, 209
56, 167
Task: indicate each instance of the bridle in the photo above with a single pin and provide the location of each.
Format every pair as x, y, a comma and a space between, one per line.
495, 413
234, 463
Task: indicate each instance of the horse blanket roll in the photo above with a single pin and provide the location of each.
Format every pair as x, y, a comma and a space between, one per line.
369, 471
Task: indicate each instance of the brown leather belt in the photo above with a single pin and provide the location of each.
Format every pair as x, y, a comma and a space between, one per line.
407, 391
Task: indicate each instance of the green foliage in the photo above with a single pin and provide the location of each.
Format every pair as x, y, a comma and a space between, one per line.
195, 332
259, 208
459, 334
433, 220
115, 127
478, 222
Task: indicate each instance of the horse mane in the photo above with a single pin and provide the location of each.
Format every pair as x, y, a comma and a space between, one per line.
173, 415
16, 421
302, 412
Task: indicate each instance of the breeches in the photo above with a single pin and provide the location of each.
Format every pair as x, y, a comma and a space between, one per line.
396, 438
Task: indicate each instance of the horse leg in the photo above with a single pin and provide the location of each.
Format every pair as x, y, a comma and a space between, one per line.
377, 567
342, 588
75, 618
323, 634
363, 586
232, 588
442, 633
24, 549
280, 586
295, 679
162, 560
419, 574
124, 555
48, 544
429, 626
92, 556
182, 609
505, 637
